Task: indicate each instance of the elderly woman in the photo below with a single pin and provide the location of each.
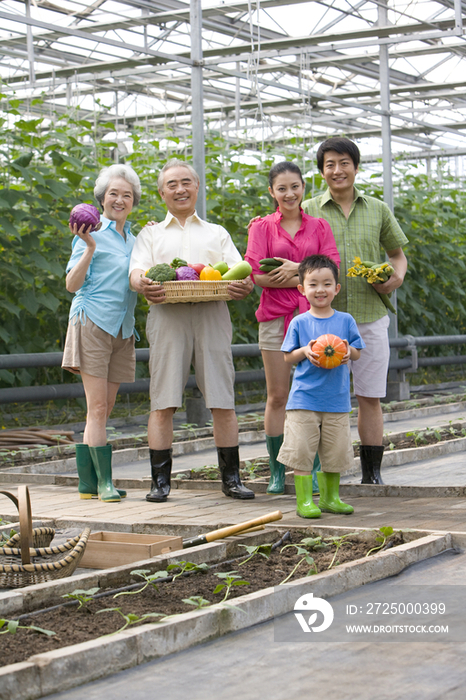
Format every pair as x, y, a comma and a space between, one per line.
100, 338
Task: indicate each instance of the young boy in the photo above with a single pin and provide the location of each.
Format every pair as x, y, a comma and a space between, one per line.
317, 412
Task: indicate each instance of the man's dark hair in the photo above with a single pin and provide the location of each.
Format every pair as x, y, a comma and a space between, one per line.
317, 262
341, 145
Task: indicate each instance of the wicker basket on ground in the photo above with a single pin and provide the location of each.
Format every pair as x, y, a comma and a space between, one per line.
31, 563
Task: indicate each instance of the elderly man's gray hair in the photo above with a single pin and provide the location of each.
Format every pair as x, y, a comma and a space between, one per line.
113, 171
175, 163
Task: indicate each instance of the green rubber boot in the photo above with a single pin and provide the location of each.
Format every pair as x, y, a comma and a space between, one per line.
277, 469
315, 469
329, 502
87, 486
306, 508
102, 460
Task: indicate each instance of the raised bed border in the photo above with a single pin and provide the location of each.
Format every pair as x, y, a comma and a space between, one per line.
60, 670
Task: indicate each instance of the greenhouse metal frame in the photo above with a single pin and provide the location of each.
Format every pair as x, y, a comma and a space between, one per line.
388, 74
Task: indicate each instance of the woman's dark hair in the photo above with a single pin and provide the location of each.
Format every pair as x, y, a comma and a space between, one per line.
317, 262
284, 166
341, 145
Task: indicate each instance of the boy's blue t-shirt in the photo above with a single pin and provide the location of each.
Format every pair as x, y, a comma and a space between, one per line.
315, 388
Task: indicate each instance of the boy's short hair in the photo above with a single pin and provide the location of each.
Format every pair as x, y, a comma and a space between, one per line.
341, 145
317, 262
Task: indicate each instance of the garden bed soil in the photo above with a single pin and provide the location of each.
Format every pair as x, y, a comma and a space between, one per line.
72, 626
259, 468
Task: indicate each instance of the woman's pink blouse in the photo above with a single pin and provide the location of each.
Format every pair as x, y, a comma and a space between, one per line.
267, 239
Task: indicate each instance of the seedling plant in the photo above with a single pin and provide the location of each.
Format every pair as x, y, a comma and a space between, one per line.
129, 618
382, 538
186, 567
230, 578
82, 596
197, 601
262, 549
149, 578
12, 626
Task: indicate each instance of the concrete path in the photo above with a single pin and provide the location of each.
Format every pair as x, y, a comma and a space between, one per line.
250, 664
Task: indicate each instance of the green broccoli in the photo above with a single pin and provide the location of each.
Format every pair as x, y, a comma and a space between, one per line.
161, 273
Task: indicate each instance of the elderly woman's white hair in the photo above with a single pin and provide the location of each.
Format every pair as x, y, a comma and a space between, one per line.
113, 171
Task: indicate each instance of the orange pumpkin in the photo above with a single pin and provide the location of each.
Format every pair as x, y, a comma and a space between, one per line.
330, 350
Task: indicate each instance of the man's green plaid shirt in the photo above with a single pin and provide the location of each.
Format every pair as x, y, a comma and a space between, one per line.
370, 227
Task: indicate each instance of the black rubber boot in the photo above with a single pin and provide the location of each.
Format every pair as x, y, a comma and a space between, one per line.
161, 469
371, 459
228, 462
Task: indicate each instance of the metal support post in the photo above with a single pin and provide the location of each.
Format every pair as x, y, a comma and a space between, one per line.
197, 106
30, 44
397, 389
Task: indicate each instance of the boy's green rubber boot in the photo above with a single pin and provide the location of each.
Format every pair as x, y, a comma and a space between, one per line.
277, 469
306, 508
87, 485
329, 501
315, 469
102, 460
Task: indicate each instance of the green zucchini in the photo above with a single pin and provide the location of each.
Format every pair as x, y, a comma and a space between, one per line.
238, 271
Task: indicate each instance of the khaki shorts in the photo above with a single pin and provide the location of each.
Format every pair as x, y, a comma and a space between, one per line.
183, 334
370, 371
308, 432
271, 334
93, 351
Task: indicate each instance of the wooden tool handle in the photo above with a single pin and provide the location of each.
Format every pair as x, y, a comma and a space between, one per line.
233, 529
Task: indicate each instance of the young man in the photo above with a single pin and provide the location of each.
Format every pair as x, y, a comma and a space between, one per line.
361, 225
317, 412
181, 334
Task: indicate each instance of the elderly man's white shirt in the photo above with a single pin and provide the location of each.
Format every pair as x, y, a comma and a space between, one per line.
198, 241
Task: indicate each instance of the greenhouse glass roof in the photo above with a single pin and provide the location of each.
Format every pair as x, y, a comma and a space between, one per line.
270, 68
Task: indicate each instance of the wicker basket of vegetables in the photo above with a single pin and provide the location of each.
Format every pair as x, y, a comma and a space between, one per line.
184, 283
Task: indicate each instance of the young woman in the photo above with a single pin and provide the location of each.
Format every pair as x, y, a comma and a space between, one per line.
288, 235
100, 338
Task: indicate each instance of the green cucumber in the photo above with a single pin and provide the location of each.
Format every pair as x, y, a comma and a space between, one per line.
238, 272
273, 262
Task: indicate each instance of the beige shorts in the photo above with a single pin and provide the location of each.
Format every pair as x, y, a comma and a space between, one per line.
370, 371
308, 432
181, 335
271, 334
93, 351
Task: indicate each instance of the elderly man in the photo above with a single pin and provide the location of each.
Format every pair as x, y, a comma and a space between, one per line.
361, 225
183, 334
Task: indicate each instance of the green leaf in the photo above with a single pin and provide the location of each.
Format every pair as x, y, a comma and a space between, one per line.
23, 160
12, 626
9, 228
29, 301
12, 308
49, 300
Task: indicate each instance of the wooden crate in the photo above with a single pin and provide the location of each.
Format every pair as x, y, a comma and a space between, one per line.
108, 549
